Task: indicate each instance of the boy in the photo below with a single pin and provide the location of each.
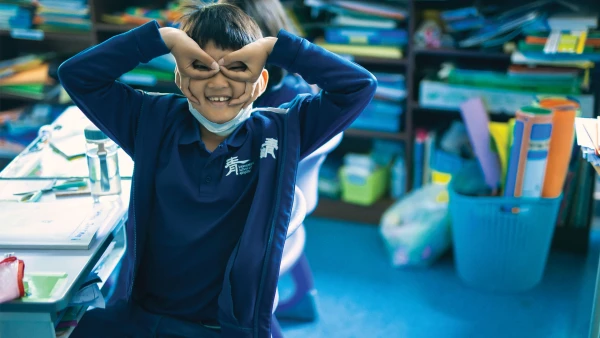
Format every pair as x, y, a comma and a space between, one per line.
270, 16
213, 185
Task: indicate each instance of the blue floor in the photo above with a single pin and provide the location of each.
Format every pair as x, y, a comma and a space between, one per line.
361, 295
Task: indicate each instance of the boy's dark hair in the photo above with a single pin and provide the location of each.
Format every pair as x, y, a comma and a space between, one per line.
227, 26
268, 14
270, 17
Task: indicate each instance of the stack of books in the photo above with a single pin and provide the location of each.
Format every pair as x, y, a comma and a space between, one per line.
28, 77
504, 91
63, 15
565, 37
385, 110
15, 14
139, 15
364, 29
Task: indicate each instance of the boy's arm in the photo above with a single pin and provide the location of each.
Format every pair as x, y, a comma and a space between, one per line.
346, 88
90, 79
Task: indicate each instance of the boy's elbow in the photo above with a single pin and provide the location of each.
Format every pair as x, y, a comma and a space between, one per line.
63, 73
372, 86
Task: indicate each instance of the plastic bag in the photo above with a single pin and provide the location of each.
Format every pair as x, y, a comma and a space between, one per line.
416, 229
11, 278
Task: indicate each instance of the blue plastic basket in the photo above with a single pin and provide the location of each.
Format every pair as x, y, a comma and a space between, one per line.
498, 249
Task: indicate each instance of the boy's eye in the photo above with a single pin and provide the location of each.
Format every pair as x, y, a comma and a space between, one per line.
238, 67
200, 67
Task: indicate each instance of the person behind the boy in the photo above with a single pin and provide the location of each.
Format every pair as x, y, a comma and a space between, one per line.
271, 17
213, 184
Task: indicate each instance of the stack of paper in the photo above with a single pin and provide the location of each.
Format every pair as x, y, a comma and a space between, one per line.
54, 225
588, 138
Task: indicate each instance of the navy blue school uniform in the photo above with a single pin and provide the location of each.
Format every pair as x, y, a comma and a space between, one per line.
285, 91
206, 230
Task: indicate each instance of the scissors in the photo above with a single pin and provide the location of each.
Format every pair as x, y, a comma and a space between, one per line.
36, 195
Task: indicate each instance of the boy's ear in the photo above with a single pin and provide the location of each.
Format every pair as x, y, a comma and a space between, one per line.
263, 80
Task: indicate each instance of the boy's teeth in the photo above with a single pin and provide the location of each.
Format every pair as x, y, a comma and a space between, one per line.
218, 98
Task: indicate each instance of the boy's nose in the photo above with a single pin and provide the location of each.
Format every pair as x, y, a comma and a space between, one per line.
218, 81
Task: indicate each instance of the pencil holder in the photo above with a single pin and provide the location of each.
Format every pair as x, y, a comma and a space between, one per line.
496, 249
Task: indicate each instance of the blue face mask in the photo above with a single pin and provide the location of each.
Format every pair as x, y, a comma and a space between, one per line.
222, 129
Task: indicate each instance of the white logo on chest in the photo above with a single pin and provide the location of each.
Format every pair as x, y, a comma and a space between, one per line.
238, 167
269, 147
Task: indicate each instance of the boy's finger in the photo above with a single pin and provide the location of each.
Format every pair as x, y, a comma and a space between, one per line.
244, 98
237, 56
253, 98
177, 79
245, 76
205, 59
185, 89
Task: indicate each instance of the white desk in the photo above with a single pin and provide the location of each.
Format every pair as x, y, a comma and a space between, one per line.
40, 160
28, 319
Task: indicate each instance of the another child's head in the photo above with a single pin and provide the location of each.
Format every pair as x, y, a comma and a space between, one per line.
270, 17
219, 29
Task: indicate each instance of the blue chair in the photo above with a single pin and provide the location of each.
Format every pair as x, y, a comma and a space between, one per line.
301, 305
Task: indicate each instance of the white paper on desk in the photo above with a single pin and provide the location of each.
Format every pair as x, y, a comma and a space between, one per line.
89, 296
9, 187
586, 130
71, 122
54, 224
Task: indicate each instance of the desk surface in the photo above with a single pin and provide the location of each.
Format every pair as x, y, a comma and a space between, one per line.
39, 159
77, 264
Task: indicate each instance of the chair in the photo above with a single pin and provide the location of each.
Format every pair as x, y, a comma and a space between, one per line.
302, 303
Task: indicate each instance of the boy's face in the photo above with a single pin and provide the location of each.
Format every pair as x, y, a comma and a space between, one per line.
215, 93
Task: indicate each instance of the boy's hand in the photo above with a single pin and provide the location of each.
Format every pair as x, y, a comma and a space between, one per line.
192, 61
246, 65
253, 56
250, 94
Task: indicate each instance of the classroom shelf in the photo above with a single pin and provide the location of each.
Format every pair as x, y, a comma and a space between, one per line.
415, 106
5, 96
467, 53
571, 239
57, 36
113, 28
363, 60
336, 209
352, 132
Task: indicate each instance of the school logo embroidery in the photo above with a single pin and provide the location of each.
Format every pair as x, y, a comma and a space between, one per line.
269, 147
238, 167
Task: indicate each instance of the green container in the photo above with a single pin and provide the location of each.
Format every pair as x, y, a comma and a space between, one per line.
364, 192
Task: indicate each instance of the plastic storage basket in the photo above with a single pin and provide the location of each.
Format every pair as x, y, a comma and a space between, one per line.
364, 192
501, 244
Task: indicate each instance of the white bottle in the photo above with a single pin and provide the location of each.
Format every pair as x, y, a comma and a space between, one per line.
103, 164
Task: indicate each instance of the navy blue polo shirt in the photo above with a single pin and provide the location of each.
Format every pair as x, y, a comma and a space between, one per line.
197, 220
283, 92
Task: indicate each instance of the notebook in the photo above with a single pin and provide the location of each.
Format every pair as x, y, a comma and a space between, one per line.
54, 225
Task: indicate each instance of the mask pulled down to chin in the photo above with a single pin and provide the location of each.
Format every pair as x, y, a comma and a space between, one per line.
222, 129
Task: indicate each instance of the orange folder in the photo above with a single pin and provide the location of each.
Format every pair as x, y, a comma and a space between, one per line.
561, 143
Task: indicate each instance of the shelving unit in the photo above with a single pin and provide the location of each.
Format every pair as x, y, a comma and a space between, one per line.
410, 65
448, 52
574, 239
376, 134
336, 209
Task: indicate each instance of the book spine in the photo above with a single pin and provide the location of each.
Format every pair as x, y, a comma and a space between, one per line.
375, 37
